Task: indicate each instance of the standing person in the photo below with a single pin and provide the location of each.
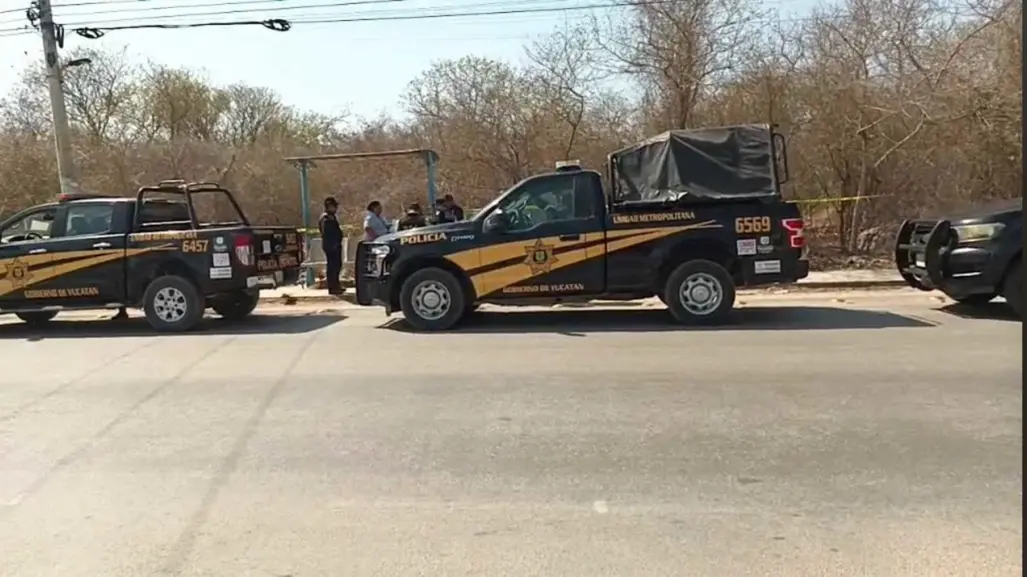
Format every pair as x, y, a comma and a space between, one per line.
455, 212
374, 224
331, 244
441, 213
414, 218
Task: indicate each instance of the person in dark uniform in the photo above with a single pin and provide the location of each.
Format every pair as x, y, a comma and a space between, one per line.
441, 215
452, 208
331, 244
414, 218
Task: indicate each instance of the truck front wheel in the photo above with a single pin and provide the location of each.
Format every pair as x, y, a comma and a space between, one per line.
432, 300
699, 292
235, 306
173, 304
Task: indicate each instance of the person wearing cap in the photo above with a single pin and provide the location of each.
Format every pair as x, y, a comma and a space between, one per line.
454, 212
414, 218
331, 244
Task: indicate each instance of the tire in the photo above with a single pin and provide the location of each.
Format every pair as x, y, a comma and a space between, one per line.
173, 304
236, 306
703, 274
416, 300
1012, 289
36, 317
975, 300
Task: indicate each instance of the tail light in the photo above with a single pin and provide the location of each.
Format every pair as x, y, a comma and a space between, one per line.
244, 249
795, 230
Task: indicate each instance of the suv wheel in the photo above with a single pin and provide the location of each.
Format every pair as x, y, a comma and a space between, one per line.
237, 305
173, 304
36, 317
1012, 289
699, 292
432, 300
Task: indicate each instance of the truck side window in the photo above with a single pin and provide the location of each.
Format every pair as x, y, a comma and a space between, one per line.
89, 219
550, 199
33, 226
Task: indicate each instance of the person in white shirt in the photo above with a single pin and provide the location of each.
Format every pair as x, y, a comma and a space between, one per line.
374, 224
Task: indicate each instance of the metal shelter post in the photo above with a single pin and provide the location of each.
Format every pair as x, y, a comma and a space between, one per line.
430, 159
304, 166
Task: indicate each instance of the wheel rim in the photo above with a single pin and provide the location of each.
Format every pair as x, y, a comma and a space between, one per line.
431, 300
701, 294
170, 305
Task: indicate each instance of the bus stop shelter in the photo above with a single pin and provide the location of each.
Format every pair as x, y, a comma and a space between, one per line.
305, 163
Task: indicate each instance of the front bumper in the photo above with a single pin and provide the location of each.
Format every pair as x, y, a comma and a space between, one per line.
372, 288
929, 257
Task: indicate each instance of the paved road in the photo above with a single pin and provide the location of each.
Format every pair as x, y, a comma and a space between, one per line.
868, 434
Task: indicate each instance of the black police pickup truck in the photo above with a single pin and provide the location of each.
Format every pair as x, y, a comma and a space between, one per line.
972, 258
152, 251
687, 215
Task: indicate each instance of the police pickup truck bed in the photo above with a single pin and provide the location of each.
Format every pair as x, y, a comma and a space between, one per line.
972, 258
687, 216
151, 252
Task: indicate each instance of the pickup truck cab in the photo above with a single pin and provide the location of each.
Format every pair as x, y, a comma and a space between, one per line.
566, 236
972, 257
151, 251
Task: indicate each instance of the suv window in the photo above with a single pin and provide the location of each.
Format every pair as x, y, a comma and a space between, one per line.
88, 219
33, 226
549, 199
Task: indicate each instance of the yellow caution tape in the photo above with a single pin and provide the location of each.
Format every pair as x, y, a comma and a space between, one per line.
835, 199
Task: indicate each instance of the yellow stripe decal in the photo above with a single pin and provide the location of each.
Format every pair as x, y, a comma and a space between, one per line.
495, 280
17, 275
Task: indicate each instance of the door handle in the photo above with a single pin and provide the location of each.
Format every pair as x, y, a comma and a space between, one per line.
37, 251
102, 245
570, 237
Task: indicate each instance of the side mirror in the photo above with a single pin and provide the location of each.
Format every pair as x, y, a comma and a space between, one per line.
495, 222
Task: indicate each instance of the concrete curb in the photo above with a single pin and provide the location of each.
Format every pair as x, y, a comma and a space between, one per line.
350, 297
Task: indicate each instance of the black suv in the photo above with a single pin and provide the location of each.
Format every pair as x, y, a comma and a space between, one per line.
972, 258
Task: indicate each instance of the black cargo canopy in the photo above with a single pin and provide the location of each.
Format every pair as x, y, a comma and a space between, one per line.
731, 162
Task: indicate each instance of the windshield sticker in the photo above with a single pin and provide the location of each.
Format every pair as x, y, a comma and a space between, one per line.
422, 238
220, 273
768, 267
746, 246
652, 217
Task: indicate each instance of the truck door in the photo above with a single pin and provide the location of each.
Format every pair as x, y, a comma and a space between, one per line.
24, 260
547, 243
87, 252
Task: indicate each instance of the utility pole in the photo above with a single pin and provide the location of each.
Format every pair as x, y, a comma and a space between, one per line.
55, 81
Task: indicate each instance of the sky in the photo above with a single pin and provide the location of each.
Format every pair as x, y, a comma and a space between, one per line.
361, 67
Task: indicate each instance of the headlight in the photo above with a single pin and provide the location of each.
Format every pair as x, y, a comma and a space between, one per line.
381, 250
978, 232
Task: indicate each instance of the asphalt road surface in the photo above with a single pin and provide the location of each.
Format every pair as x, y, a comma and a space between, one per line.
853, 434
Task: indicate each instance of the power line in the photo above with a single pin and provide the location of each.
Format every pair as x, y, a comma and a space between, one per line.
380, 18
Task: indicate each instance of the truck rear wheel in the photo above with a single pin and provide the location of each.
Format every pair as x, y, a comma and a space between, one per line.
235, 306
699, 292
1012, 289
36, 317
432, 300
173, 304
